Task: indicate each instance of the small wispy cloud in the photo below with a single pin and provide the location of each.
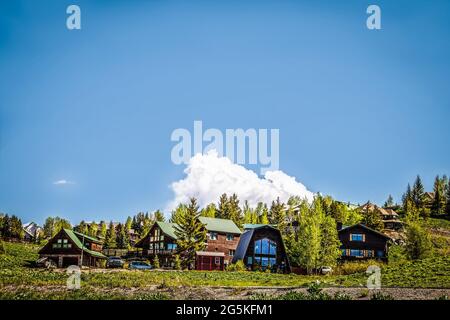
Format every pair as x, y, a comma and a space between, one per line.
63, 182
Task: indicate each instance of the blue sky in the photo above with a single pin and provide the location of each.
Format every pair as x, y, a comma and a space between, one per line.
360, 112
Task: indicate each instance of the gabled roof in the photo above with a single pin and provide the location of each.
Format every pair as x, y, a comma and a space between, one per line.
248, 226
167, 228
364, 227
81, 235
73, 235
220, 225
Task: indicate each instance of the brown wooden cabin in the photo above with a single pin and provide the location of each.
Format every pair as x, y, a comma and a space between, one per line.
262, 247
390, 218
222, 236
361, 242
210, 261
69, 247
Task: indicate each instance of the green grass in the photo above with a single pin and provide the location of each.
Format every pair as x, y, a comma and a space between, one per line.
16, 273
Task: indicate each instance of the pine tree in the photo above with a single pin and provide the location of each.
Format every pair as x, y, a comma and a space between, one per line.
264, 217
277, 215
122, 237
110, 239
128, 224
234, 211
417, 193
407, 196
209, 211
222, 207
389, 202
191, 233
159, 216
439, 201
177, 213
102, 229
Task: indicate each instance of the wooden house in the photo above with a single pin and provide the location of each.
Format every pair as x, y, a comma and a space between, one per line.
211, 261
262, 247
69, 247
222, 237
361, 242
390, 218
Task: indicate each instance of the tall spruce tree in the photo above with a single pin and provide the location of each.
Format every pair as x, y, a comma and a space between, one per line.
191, 234
110, 239
122, 237
234, 211
222, 211
439, 201
277, 215
159, 216
389, 202
417, 192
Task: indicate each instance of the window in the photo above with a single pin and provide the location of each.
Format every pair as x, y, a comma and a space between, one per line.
356, 253
265, 252
217, 260
171, 246
231, 252
344, 252
356, 237
213, 235
249, 261
380, 253
230, 237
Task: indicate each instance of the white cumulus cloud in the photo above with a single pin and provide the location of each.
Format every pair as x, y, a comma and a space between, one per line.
208, 176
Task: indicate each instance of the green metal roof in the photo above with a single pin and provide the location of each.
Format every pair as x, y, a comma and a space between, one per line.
168, 228
73, 235
211, 224
248, 226
220, 225
96, 240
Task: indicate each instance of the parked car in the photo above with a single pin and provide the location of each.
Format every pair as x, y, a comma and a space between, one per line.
326, 270
139, 265
115, 262
45, 263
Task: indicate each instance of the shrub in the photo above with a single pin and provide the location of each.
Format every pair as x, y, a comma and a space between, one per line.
396, 254
156, 262
418, 244
238, 266
177, 262
2, 247
351, 267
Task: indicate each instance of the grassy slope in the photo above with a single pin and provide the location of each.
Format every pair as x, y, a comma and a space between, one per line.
433, 272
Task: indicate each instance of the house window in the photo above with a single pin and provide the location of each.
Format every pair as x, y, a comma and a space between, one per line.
217, 260
213, 235
230, 237
265, 252
356, 253
231, 253
380, 253
249, 261
356, 237
171, 246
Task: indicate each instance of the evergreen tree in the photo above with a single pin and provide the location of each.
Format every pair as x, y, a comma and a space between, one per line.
439, 201
122, 237
277, 215
389, 202
407, 196
128, 224
264, 217
191, 233
209, 211
110, 239
178, 213
250, 215
82, 227
418, 192
222, 207
234, 211
102, 229
93, 229
159, 216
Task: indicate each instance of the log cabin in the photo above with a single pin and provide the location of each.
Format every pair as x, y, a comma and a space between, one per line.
222, 237
69, 247
261, 247
361, 242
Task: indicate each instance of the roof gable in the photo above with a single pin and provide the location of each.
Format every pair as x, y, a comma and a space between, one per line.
345, 229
